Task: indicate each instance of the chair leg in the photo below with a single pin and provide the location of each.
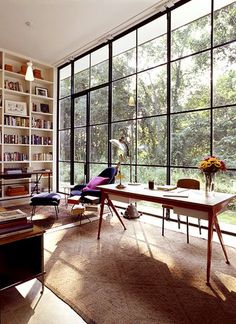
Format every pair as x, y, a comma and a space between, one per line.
178, 218
33, 211
163, 220
199, 226
56, 210
187, 229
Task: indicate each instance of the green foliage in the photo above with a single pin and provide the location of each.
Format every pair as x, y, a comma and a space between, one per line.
193, 112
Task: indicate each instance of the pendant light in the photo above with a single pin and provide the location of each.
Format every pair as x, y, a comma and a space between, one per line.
29, 76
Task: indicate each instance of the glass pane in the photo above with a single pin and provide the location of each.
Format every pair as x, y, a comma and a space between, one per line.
64, 175
179, 173
64, 145
146, 173
99, 143
226, 182
65, 81
81, 71
99, 66
152, 92
124, 56
65, 113
224, 21
191, 28
126, 132
79, 177
80, 144
152, 41
122, 93
99, 106
224, 74
80, 111
152, 140
190, 83
225, 135
189, 12
190, 138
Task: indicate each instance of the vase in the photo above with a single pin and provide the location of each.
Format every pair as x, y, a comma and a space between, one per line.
209, 183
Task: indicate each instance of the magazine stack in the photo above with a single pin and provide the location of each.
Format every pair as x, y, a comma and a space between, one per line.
14, 222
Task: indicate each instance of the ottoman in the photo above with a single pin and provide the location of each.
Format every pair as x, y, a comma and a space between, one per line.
45, 199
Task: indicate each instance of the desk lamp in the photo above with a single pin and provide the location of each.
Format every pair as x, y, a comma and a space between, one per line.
123, 148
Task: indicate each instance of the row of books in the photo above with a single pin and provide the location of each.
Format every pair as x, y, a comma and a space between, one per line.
15, 156
14, 222
41, 140
41, 123
16, 121
16, 139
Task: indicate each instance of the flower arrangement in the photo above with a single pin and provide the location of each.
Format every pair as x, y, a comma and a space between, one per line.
212, 164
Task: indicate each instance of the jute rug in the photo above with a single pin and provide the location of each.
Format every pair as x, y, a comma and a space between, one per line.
45, 216
137, 276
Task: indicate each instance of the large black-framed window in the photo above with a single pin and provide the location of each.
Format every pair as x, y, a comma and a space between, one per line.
168, 86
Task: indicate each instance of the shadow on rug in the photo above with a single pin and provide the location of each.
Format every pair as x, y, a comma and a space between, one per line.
138, 276
45, 216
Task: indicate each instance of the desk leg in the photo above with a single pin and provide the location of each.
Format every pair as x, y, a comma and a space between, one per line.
116, 212
209, 246
101, 213
218, 231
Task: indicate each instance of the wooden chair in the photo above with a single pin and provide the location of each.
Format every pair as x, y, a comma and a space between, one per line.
188, 184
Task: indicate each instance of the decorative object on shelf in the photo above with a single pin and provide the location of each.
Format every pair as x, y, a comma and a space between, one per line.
41, 91
29, 76
8, 67
44, 108
15, 86
15, 107
23, 69
37, 74
209, 166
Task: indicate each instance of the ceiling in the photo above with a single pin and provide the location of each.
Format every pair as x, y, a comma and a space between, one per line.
52, 31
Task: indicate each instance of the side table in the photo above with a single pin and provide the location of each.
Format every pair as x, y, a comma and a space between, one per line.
67, 189
21, 259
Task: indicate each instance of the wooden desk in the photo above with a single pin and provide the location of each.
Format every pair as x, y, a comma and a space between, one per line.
197, 204
21, 259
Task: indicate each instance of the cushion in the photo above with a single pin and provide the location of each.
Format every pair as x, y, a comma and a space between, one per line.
46, 196
96, 181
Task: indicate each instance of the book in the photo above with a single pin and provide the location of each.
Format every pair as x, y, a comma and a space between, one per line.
16, 232
15, 228
166, 187
13, 222
11, 214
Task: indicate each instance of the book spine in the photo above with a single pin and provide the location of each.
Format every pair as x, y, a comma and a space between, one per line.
16, 232
13, 222
10, 229
7, 218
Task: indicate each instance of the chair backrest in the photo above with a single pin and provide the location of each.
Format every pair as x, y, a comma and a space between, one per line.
110, 173
188, 183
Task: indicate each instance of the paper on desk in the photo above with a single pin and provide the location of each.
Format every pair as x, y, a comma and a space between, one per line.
181, 193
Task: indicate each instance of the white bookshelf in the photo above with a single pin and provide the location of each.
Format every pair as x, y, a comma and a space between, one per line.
26, 135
